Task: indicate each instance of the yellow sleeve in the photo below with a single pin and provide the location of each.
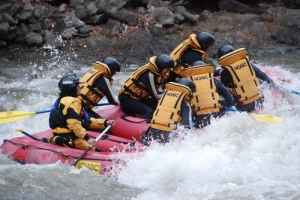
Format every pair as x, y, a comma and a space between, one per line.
98, 123
74, 119
76, 127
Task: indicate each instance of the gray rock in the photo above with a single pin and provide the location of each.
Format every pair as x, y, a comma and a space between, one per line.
81, 12
56, 16
141, 10
34, 39
15, 9
85, 30
51, 40
10, 19
190, 17
163, 15
62, 7
34, 27
232, 5
77, 24
21, 33
46, 25
74, 3
5, 7
40, 13
24, 14
68, 33
60, 26
112, 28
91, 9
12, 32
97, 19
178, 18
2, 44
4, 29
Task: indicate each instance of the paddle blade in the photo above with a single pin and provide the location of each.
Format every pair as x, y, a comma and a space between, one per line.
267, 118
12, 116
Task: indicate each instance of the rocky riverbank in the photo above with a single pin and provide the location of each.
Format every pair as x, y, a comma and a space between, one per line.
89, 30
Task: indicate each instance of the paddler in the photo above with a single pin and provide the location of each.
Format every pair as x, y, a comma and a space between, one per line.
69, 121
242, 77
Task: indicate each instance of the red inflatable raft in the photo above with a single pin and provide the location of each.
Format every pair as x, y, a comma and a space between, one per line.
125, 139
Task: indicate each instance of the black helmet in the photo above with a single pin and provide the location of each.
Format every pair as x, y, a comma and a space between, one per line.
198, 63
189, 83
164, 61
225, 50
205, 40
113, 64
67, 85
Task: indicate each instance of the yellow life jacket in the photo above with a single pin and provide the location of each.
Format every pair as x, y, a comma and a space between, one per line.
177, 53
206, 98
246, 83
90, 94
136, 90
168, 111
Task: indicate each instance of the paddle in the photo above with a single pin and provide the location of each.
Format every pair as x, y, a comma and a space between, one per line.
266, 118
287, 90
15, 115
31, 136
89, 148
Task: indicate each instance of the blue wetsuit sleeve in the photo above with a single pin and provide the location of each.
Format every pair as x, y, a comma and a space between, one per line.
222, 90
261, 75
186, 114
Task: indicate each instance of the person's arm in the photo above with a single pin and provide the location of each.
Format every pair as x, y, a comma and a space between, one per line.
222, 90
261, 75
148, 81
190, 56
217, 72
226, 78
186, 114
104, 85
73, 120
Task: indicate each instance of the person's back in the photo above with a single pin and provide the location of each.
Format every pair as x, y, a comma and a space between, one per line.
173, 109
239, 75
207, 97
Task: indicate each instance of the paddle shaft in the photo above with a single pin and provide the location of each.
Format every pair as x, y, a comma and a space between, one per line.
287, 90
15, 115
27, 134
89, 148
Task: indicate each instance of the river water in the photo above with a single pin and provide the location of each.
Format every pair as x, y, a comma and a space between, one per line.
236, 157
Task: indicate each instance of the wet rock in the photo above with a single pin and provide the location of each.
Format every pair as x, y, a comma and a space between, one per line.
232, 5
81, 12
112, 28
68, 33
4, 29
10, 19
21, 33
164, 16
34, 39
85, 30
60, 26
2, 44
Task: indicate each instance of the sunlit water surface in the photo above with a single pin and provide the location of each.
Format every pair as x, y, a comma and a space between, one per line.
236, 157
